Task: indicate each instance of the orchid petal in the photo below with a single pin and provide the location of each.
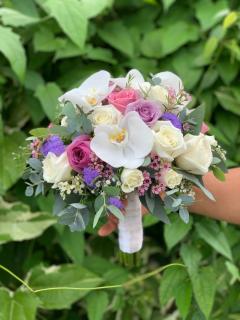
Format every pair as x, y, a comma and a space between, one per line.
170, 80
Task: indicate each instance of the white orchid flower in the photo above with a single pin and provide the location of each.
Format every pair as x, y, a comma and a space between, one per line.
134, 79
91, 92
170, 80
123, 145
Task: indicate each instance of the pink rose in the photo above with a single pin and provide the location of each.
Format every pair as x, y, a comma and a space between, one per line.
122, 98
78, 152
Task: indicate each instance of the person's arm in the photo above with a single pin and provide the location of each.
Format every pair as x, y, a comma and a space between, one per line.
226, 207
227, 195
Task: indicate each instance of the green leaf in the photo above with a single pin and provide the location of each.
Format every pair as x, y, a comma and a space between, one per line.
197, 115
62, 276
218, 173
48, 96
183, 297
13, 50
209, 13
155, 206
116, 212
176, 231
39, 132
97, 303
112, 191
19, 223
97, 216
198, 183
191, 257
116, 35
73, 244
76, 219
204, 288
228, 101
15, 18
100, 54
234, 271
45, 41
18, 306
14, 168
161, 42
170, 281
210, 232
71, 17
227, 69
93, 8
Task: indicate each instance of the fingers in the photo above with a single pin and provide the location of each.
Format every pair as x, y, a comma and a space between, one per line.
108, 227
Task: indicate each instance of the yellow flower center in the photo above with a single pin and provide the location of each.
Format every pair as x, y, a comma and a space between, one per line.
92, 101
118, 136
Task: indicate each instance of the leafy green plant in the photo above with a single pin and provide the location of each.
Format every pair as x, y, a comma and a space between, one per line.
50, 46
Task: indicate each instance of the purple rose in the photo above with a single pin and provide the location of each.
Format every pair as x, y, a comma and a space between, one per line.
176, 122
149, 111
53, 144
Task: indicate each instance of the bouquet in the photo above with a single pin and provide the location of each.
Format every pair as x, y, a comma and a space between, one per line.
119, 143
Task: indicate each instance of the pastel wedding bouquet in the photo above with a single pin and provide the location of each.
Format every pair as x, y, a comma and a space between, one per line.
117, 144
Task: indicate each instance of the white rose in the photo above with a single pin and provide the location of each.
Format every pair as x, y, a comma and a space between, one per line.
105, 115
131, 179
213, 142
158, 93
56, 169
168, 140
198, 156
172, 178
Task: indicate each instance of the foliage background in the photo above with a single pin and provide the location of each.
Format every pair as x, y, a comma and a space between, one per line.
49, 46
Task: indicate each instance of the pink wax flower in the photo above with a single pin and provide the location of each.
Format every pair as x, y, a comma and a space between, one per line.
204, 128
78, 152
122, 98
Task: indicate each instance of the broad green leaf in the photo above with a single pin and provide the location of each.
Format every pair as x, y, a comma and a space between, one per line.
204, 288
69, 275
71, 17
45, 41
149, 220
12, 48
18, 306
92, 8
19, 223
73, 244
228, 101
191, 257
161, 42
209, 13
15, 18
100, 54
97, 303
183, 297
227, 69
48, 96
167, 4
170, 280
33, 80
218, 173
234, 271
27, 7
116, 35
183, 63
230, 19
176, 231
210, 232
13, 169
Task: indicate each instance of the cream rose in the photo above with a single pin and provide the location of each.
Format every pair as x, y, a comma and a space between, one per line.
172, 178
168, 140
107, 114
56, 169
131, 179
198, 156
159, 94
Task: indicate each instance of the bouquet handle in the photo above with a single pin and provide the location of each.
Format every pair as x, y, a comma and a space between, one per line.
130, 229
